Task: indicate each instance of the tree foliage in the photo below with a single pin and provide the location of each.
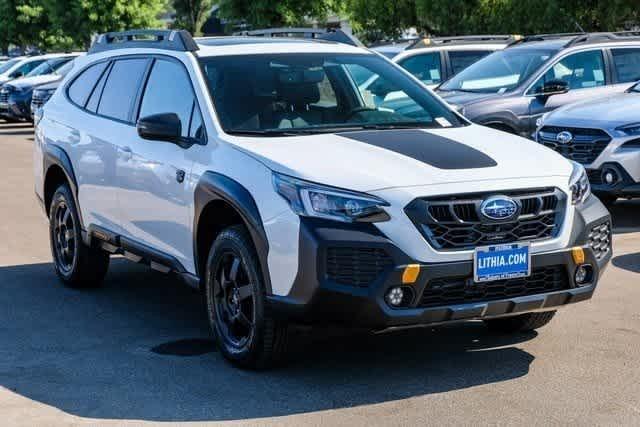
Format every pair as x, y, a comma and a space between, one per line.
191, 14
277, 13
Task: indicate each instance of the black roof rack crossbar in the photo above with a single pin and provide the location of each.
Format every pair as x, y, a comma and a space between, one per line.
178, 40
477, 39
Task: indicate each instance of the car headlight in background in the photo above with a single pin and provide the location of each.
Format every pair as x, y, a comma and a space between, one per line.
632, 129
43, 94
314, 200
579, 184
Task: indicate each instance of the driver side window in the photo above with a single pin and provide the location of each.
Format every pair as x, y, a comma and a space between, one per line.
580, 71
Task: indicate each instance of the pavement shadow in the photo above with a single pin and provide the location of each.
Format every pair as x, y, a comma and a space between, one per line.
89, 353
4, 125
629, 262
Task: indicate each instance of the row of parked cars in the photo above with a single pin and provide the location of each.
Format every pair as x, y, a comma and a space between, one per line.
26, 82
575, 93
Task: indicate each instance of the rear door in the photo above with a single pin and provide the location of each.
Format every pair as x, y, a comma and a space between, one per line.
156, 192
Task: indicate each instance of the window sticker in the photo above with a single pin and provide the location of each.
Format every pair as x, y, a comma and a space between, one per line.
443, 122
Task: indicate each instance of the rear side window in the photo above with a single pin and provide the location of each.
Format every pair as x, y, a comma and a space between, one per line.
121, 88
581, 70
461, 59
169, 90
81, 87
627, 63
425, 67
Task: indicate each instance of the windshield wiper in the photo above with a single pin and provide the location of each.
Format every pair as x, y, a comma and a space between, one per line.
263, 132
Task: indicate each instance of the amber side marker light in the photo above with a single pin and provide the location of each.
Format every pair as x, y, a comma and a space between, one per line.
410, 274
578, 255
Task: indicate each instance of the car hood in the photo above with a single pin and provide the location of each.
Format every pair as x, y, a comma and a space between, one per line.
456, 97
4, 79
605, 112
383, 159
28, 82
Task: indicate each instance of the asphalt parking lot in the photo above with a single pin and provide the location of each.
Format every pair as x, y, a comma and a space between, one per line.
139, 350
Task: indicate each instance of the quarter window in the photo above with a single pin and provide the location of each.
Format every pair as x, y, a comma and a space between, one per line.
169, 90
82, 86
121, 88
580, 70
627, 62
425, 67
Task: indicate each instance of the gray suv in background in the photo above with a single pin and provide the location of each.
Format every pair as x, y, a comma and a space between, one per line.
511, 89
604, 135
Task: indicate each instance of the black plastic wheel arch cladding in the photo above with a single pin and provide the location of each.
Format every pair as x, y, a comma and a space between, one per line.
217, 187
56, 156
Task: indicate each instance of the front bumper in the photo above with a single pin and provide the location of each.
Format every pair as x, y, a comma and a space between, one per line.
317, 297
18, 106
623, 184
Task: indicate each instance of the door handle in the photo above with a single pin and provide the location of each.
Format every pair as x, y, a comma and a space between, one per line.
126, 153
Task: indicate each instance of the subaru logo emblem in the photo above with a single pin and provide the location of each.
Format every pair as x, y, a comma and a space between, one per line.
499, 208
564, 137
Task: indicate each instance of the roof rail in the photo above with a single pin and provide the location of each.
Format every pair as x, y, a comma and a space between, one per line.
479, 39
543, 37
178, 40
330, 35
607, 37
311, 33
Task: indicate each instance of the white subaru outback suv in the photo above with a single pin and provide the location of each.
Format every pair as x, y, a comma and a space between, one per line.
256, 170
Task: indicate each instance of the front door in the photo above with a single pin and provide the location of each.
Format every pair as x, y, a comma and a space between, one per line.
156, 192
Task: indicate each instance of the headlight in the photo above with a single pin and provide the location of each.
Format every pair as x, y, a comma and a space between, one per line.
579, 184
630, 130
313, 200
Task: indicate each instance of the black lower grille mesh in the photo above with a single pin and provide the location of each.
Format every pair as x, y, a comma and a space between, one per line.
356, 266
462, 290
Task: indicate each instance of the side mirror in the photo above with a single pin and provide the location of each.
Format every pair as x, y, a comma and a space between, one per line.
17, 75
554, 87
161, 127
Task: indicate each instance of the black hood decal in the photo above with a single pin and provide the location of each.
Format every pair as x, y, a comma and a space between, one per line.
434, 150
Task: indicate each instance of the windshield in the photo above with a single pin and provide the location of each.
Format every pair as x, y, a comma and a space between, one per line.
499, 72
285, 94
7, 65
48, 67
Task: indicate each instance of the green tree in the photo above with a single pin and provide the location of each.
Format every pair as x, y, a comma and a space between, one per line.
191, 14
379, 19
270, 13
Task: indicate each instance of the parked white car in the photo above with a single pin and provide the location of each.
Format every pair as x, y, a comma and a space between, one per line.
256, 170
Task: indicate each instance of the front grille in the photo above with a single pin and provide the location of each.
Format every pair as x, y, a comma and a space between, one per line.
455, 222
463, 290
595, 176
600, 239
585, 147
4, 95
358, 267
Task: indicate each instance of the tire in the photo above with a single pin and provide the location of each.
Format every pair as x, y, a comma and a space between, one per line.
76, 264
522, 323
246, 334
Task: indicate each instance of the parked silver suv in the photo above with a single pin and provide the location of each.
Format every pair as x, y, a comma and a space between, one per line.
604, 135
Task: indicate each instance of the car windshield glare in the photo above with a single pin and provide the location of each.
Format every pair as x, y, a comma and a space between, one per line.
499, 72
285, 94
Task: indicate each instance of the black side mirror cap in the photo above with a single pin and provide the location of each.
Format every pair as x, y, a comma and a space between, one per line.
161, 127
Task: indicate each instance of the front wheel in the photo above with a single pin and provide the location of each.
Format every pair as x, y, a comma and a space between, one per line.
245, 333
521, 323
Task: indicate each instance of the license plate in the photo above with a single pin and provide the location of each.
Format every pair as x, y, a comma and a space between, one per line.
501, 262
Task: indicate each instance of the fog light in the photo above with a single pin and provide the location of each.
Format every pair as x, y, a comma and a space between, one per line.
583, 274
395, 296
609, 176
